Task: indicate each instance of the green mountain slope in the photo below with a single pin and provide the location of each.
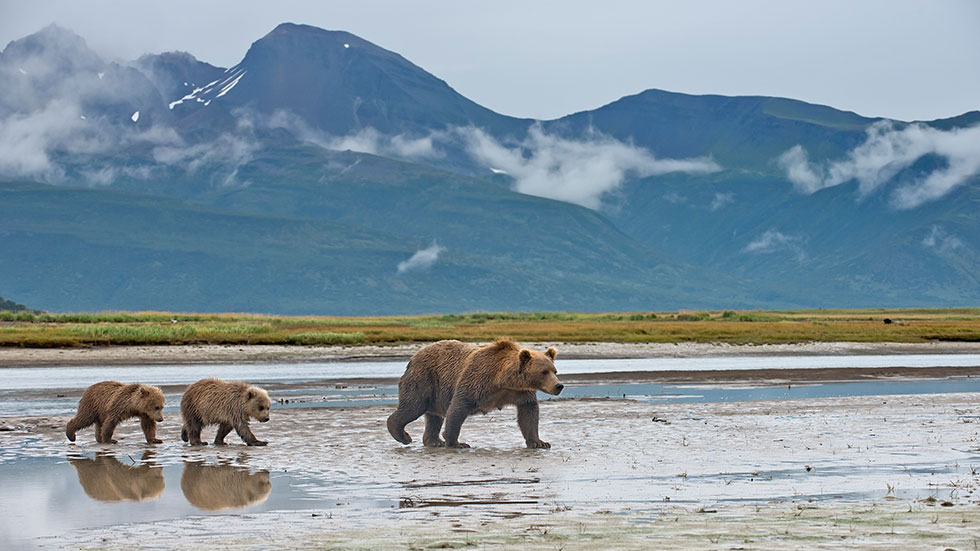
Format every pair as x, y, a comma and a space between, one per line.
83, 249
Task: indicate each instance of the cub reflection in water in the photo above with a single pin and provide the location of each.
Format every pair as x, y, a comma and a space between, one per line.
105, 478
214, 487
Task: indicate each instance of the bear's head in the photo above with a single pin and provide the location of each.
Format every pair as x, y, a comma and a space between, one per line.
257, 404
536, 371
151, 402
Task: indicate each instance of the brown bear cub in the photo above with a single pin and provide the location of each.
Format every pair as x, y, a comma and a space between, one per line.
228, 405
451, 380
109, 403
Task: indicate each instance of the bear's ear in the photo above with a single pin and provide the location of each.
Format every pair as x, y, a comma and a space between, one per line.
250, 395
144, 391
551, 352
525, 356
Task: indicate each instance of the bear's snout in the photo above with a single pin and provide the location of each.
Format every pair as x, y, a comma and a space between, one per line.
558, 388
159, 418
266, 420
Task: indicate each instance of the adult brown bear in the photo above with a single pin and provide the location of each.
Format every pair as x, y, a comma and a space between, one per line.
452, 380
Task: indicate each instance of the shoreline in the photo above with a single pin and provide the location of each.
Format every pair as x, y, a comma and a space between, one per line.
11, 357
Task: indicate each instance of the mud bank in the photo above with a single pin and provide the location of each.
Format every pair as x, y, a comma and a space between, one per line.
894, 472
879, 527
181, 354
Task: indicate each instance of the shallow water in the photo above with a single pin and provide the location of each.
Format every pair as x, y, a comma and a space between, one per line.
55, 391
663, 447
625, 456
616, 455
81, 377
85, 490
21, 403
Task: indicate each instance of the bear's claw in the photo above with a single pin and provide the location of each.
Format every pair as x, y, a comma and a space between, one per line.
539, 444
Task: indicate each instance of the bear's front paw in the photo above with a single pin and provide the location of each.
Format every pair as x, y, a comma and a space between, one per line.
155, 441
258, 443
538, 444
434, 444
110, 441
458, 445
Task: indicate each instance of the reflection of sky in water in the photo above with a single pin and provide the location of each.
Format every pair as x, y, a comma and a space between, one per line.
16, 403
49, 496
81, 377
724, 393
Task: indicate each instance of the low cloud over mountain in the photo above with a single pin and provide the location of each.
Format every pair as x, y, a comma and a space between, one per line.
887, 151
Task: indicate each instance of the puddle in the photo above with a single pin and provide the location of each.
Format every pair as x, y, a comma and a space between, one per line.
49, 496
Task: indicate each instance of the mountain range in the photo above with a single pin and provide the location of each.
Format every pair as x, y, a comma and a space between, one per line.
323, 174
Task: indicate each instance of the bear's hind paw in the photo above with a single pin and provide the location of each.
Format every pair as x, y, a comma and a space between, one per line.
540, 444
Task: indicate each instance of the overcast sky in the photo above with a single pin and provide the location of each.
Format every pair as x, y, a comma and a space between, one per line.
902, 59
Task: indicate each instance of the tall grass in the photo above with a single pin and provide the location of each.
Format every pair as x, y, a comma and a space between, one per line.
328, 338
731, 326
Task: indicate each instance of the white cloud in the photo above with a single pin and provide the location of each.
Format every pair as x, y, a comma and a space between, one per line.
942, 241
772, 241
423, 259
796, 163
367, 140
226, 148
887, 151
30, 142
721, 200
26, 140
579, 171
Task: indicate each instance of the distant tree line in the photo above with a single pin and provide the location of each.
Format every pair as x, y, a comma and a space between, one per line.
12, 306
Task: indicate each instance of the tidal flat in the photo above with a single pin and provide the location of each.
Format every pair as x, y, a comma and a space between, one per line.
849, 472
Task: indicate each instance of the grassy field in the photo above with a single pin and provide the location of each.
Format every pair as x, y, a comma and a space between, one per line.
737, 327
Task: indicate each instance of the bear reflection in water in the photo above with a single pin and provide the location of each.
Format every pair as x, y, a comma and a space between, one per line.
214, 487
105, 478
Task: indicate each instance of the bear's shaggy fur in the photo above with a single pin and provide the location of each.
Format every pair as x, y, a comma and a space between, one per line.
216, 487
109, 403
228, 405
451, 380
105, 478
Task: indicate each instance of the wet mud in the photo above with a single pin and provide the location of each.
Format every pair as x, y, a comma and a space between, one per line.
867, 472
